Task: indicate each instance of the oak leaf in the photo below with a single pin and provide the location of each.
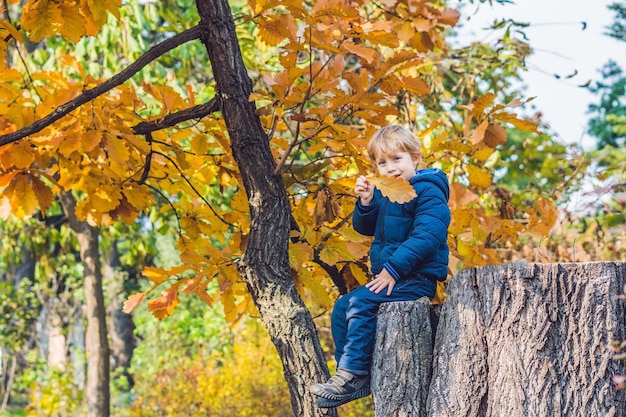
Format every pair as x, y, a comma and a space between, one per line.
132, 302
41, 19
460, 196
396, 189
495, 135
479, 177
164, 305
23, 198
43, 193
73, 23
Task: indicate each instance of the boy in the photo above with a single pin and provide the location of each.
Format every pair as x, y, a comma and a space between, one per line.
408, 256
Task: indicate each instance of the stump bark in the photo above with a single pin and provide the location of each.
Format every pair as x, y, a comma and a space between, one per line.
530, 340
402, 361
512, 340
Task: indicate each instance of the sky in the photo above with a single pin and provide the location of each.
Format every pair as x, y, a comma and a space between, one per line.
560, 46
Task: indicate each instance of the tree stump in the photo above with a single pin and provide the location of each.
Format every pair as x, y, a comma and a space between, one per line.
530, 340
402, 361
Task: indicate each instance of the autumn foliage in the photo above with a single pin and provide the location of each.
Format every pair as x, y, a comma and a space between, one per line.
340, 70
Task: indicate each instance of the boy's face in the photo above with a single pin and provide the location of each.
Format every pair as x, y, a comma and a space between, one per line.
397, 164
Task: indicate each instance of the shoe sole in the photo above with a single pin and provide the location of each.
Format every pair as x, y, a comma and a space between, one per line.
338, 400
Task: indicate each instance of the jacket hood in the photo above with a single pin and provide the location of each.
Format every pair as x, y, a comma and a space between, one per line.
435, 176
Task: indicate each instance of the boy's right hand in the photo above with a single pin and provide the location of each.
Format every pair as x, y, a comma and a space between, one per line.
364, 190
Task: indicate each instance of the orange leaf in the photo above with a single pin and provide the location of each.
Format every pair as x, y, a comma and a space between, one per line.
132, 302
415, 85
479, 132
192, 284
546, 215
42, 192
395, 189
449, 17
361, 51
164, 305
460, 196
495, 135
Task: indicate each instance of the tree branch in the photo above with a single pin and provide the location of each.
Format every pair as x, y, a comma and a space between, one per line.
195, 112
117, 79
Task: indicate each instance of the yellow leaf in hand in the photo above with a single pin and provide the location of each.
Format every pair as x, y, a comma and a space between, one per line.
395, 189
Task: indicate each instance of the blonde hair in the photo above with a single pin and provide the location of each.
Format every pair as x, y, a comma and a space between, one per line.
393, 138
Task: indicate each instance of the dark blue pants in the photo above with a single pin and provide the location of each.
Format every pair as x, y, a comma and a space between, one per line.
353, 321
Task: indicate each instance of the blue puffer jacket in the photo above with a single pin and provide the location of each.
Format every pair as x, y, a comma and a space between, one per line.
410, 240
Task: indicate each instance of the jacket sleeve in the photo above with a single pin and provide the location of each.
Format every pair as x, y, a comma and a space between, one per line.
364, 217
429, 231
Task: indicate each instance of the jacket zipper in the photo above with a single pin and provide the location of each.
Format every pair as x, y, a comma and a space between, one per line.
381, 219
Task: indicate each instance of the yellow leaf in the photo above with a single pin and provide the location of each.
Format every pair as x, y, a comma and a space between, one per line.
299, 253
41, 18
481, 103
359, 274
118, 152
479, 177
22, 196
527, 125
154, 274
90, 139
199, 144
21, 154
482, 154
137, 196
96, 13
440, 293
396, 189
73, 24
70, 142
7, 28
192, 257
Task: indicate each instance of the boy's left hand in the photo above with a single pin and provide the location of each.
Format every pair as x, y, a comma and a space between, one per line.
381, 281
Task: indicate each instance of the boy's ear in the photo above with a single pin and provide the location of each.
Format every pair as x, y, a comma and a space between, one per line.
417, 159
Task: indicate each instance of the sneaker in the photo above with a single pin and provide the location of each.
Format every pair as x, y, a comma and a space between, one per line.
341, 388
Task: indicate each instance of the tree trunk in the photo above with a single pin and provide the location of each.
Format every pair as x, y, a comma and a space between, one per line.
121, 325
530, 340
403, 356
97, 389
265, 264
